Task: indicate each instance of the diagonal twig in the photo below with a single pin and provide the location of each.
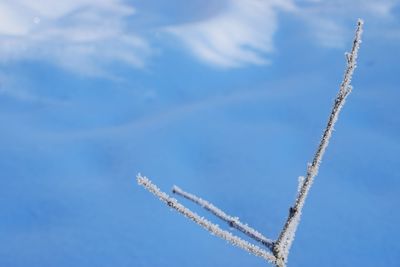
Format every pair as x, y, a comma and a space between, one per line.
279, 248
213, 228
285, 239
232, 221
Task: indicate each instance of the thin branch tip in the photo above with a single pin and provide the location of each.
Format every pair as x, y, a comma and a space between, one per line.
209, 226
232, 221
140, 179
175, 189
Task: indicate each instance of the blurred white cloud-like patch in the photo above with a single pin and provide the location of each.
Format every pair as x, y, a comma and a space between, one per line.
328, 20
87, 36
81, 35
243, 32
240, 34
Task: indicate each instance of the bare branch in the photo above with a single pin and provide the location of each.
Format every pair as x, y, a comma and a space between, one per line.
280, 248
283, 244
212, 228
232, 221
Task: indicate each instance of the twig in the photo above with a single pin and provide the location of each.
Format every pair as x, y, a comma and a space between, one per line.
213, 228
232, 221
280, 248
283, 244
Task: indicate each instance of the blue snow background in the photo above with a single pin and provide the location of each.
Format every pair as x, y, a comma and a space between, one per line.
73, 139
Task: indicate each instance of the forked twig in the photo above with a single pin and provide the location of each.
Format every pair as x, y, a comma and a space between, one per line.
279, 248
213, 228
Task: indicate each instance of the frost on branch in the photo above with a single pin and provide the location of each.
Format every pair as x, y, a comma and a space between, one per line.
232, 221
281, 247
213, 228
286, 237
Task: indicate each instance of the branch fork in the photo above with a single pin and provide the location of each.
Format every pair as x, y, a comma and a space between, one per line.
274, 251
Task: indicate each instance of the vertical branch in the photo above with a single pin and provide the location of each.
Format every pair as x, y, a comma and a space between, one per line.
285, 239
280, 248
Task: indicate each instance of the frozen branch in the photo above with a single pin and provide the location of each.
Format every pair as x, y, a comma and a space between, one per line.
279, 248
232, 221
283, 244
212, 228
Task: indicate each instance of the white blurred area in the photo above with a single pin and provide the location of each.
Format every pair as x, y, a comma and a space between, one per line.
70, 33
